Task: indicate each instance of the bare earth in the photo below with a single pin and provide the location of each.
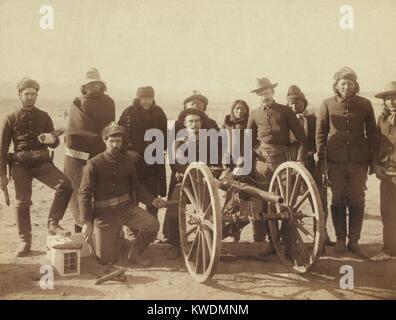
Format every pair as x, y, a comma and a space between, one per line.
240, 274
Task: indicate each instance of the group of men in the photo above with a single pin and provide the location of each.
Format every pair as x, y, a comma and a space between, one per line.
105, 175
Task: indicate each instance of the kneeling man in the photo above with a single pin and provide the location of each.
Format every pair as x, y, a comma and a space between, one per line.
108, 197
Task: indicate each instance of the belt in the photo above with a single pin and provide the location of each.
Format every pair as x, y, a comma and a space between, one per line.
32, 153
112, 202
76, 154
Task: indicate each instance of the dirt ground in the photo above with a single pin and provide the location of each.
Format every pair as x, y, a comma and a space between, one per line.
240, 274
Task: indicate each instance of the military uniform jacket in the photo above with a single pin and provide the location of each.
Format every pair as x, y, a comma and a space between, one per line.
386, 150
347, 128
107, 178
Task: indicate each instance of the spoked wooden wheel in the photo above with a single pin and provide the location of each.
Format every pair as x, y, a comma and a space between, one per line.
298, 236
200, 222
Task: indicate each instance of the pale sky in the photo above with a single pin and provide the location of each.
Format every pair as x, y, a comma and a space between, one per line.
206, 44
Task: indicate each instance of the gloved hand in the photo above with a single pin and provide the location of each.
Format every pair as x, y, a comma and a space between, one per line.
46, 138
3, 181
380, 172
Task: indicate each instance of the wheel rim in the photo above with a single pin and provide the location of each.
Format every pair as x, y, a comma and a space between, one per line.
299, 238
200, 222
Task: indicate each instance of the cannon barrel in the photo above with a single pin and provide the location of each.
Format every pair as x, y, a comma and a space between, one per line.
229, 183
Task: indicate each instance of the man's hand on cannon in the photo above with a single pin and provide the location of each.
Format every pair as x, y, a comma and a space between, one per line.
380, 172
87, 230
179, 176
159, 202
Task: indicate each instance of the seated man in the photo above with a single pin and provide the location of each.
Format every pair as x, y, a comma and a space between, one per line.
194, 120
108, 197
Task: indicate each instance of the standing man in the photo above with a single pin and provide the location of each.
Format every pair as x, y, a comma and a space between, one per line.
385, 165
143, 115
31, 130
108, 197
346, 127
297, 101
271, 125
87, 117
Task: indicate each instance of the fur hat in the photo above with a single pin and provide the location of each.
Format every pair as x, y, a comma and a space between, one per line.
145, 92
28, 83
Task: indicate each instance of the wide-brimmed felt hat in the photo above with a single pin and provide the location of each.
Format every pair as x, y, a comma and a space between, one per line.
389, 89
262, 84
196, 96
188, 111
92, 75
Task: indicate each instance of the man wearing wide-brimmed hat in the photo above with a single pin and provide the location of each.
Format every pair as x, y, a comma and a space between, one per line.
384, 165
346, 132
193, 120
197, 101
87, 116
271, 124
32, 132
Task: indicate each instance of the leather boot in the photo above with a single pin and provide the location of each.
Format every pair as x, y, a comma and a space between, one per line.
23, 249
356, 215
338, 215
135, 257
24, 226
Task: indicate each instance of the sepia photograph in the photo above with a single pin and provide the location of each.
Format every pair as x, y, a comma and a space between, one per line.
220, 151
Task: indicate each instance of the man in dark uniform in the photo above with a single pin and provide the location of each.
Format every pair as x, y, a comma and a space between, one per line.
271, 124
32, 132
108, 197
346, 127
199, 102
384, 163
193, 120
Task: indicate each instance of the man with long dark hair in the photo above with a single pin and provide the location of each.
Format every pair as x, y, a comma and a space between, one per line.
346, 127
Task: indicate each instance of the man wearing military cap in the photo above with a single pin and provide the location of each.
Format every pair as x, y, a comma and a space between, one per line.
31, 130
346, 132
271, 124
384, 166
108, 196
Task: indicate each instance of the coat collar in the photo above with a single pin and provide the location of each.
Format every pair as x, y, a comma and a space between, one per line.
342, 100
268, 107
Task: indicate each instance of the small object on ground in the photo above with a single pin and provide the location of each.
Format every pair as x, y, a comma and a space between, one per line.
382, 256
111, 276
68, 246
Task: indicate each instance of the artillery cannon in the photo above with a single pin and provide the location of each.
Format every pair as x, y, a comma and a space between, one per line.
293, 211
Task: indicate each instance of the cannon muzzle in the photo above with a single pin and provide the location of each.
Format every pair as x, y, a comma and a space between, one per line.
252, 191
